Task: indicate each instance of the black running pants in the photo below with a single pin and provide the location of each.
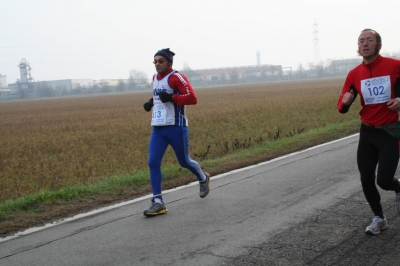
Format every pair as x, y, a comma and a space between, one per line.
377, 159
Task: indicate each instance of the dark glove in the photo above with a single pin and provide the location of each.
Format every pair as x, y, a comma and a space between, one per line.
165, 97
148, 105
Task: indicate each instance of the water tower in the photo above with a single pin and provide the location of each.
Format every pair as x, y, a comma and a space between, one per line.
25, 71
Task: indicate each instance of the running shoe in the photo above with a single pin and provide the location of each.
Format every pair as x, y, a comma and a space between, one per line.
376, 226
205, 186
155, 209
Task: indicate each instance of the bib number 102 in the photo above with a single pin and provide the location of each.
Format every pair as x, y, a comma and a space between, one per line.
376, 91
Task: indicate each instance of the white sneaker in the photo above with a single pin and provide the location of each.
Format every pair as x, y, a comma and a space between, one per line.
377, 225
397, 204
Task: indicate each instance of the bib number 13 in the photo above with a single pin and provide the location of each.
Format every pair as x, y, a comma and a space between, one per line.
159, 116
156, 114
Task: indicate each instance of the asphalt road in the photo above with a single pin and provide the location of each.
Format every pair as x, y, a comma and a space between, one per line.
302, 209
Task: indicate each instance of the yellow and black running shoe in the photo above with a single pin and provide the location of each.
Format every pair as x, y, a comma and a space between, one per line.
155, 209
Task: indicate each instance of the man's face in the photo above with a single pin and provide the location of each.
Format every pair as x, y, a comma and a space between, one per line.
161, 64
367, 45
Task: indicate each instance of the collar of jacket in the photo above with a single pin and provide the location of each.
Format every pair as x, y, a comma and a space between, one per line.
161, 76
374, 63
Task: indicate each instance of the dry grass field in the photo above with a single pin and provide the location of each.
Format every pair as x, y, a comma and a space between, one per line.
53, 143
71, 145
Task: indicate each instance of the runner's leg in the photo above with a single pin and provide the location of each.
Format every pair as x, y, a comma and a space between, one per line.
157, 147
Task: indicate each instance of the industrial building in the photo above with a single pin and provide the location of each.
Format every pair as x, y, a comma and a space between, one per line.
4, 90
343, 66
237, 73
66, 84
3, 81
26, 86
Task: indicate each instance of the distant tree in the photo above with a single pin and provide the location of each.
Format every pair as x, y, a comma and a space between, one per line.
120, 86
137, 77
63, 91
78, 89
131, 81
327, 67
233, 76
44, 90
94, 89
319, 70
187, 71
327, 62
105, 87
311, 69
223, 77
300, 71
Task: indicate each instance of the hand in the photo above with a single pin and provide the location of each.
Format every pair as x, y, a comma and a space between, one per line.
148, 105
393, 105
165, 97
348, 97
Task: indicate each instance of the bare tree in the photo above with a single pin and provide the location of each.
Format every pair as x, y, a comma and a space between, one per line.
312, 69
233, 76
105, 87
187, 71
300, 70
120, 86
44, 90
137, 77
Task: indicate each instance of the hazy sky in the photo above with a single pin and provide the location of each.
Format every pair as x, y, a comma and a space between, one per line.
104, 39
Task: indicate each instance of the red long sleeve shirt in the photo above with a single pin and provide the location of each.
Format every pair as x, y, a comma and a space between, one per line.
376, 83
180, 82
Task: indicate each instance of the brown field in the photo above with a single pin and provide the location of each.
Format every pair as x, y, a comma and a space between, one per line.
53, 143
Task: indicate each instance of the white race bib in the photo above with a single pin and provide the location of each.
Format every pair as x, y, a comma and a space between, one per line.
376, 90
159, 117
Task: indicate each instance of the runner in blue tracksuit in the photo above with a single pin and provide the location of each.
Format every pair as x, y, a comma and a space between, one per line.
171, 92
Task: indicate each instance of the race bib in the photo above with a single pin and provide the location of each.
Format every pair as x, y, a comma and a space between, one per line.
376, 90
159, 117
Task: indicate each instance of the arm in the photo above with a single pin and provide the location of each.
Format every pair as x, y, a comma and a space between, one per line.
181, 83
347, 97
394, 104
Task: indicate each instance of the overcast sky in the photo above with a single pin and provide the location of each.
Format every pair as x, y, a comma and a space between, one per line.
104, 39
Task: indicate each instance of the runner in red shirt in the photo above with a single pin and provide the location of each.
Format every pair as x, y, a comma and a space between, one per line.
377, 81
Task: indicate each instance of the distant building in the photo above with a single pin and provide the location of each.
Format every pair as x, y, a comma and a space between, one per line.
237, 74
67, 84
343, 66
110, 82
58, 85
127, 84
114, 82
4, 91
3, 81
